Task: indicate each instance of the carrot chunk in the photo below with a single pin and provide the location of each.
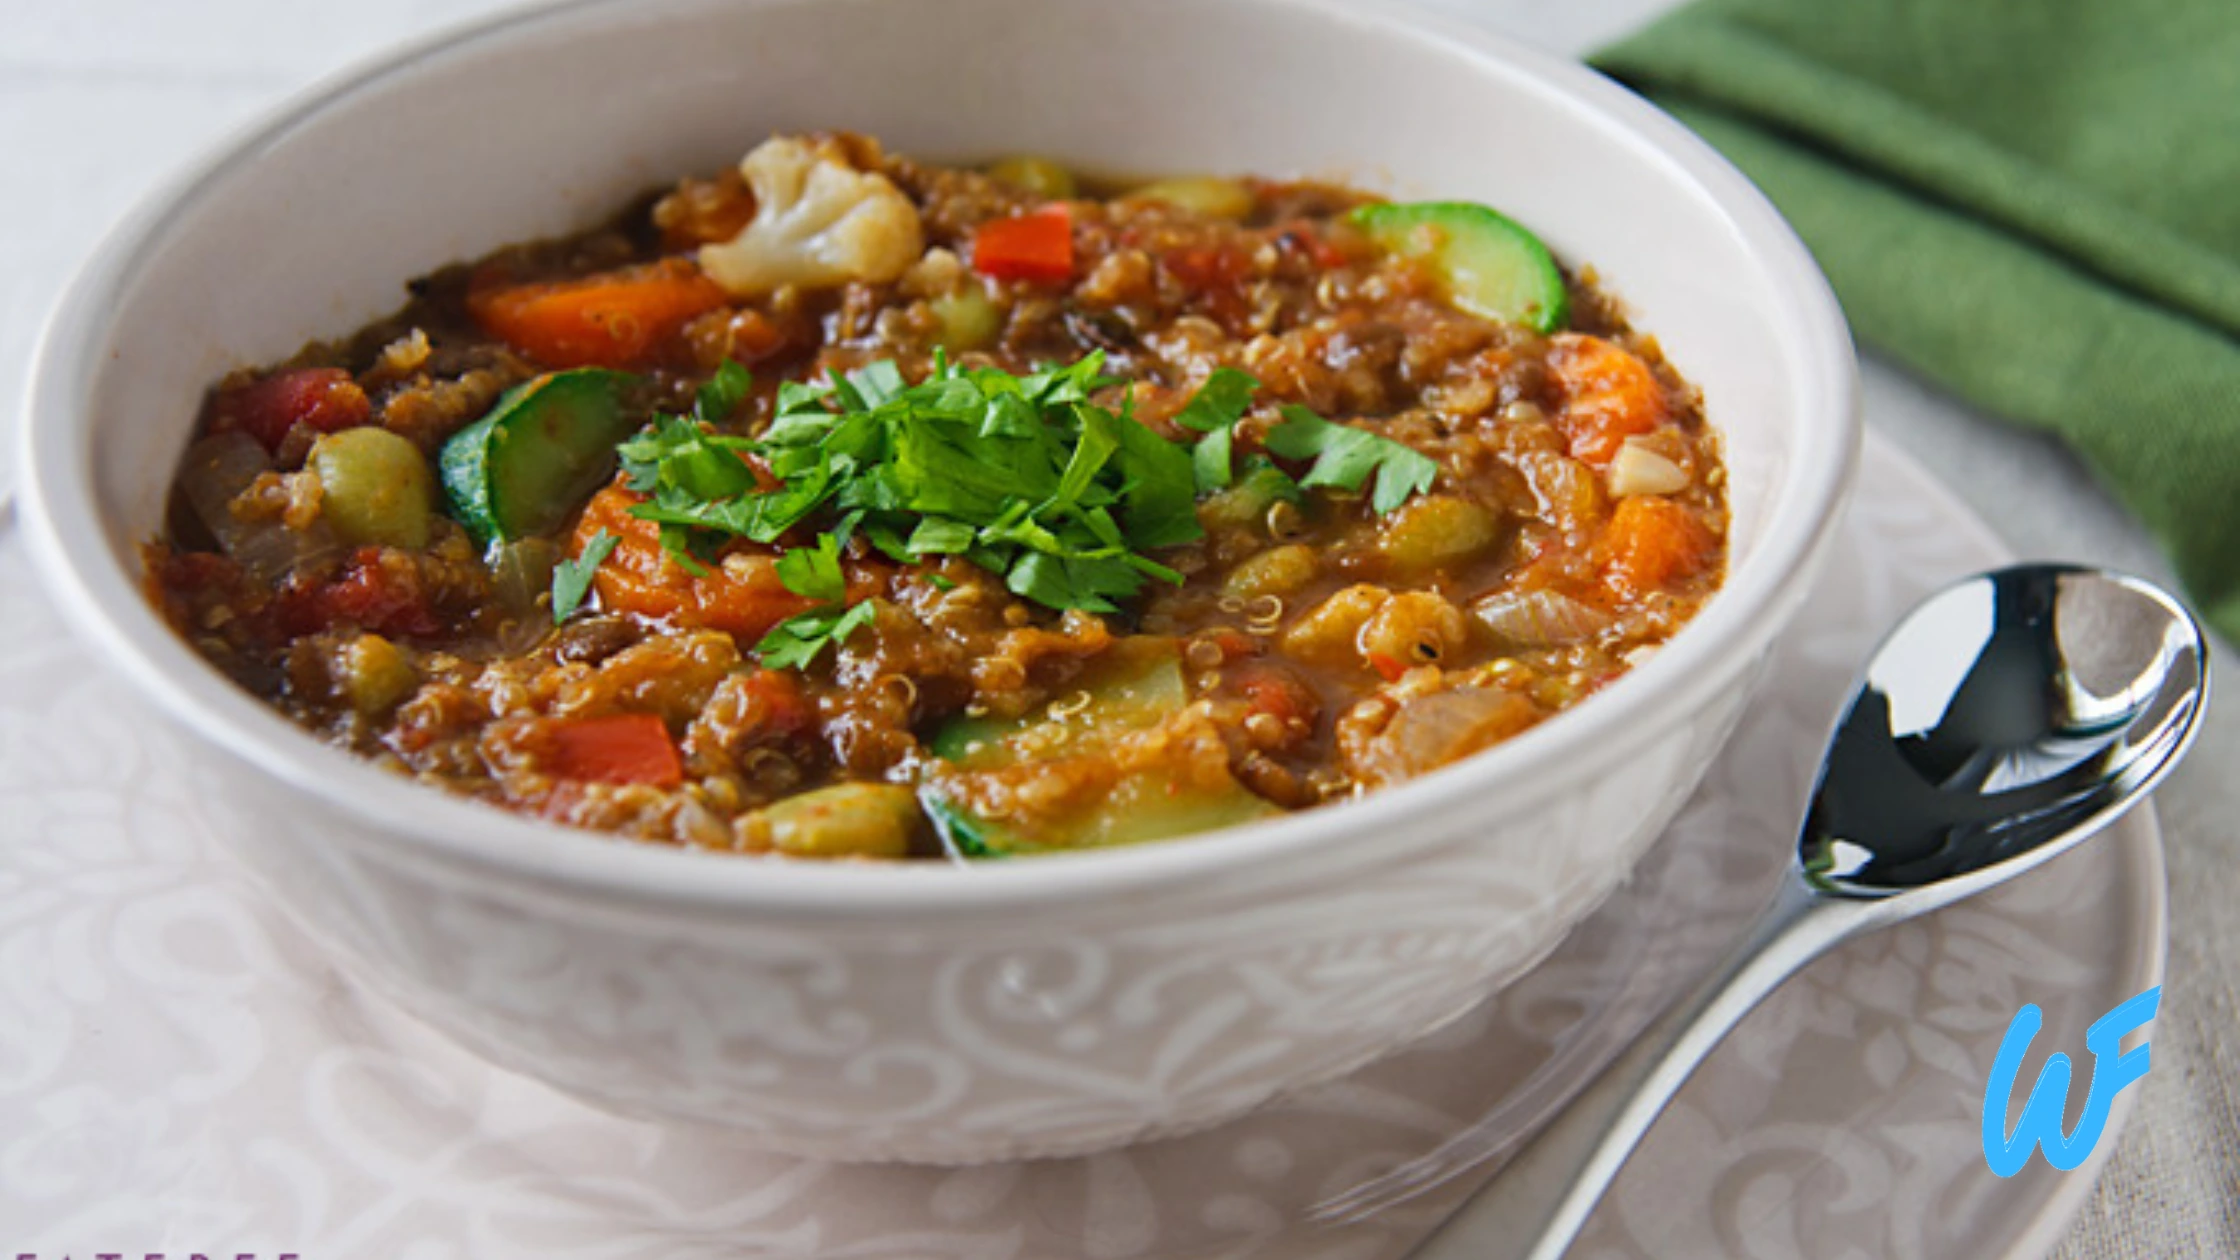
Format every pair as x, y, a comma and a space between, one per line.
616, 319
743, 596
1609, 395
1654, 543
622, 748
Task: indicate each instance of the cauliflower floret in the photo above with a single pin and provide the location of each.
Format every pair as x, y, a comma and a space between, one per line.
817, 222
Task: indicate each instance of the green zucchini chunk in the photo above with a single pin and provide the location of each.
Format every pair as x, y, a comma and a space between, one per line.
1134, 688
521, 470
1136, 685
1141, 807
1491, 265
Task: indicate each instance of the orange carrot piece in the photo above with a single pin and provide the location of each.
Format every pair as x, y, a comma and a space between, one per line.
616, 319
1654, 543
622, 748
1609, 395
744, 598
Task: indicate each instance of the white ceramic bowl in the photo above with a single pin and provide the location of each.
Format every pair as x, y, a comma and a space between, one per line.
930, 1012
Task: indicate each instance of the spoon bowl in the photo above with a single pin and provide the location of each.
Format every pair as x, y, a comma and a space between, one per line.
2004, 721
2001, 722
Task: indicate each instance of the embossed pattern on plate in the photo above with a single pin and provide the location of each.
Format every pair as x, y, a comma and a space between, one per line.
178, 1069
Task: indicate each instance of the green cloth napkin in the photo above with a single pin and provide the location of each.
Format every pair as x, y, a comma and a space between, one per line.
2034, 202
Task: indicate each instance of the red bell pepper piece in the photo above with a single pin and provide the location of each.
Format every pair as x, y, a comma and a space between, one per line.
1035, 247
622, 748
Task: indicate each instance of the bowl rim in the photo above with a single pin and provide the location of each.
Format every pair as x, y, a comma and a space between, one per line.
105, 604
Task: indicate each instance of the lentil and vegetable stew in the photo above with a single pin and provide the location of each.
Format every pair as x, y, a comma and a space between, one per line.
843, 505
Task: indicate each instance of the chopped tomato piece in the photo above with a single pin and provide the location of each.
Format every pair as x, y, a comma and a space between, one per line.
779, 706
1388, 667
742, 597
1235, 644
1216, 276
324, 398
623, 748
1274, 690
1301, 236
1654, 542
379, 590
1609, 395
616, 319
1035, 247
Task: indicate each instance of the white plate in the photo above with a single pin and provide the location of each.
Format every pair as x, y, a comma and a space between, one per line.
179, 1071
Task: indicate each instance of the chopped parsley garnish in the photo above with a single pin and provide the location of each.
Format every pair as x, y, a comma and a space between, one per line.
1214, 411
1025, 476
723, 393
794, 642
571, 579
1345, 457
812, 572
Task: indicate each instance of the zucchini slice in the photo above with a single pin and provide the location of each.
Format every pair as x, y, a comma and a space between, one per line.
1140, 807
1136, 685
1492, 266
519, 471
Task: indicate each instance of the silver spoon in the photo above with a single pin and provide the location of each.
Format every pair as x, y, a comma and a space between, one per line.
2006, 719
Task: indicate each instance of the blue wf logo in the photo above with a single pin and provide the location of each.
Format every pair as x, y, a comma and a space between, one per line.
2041, 1115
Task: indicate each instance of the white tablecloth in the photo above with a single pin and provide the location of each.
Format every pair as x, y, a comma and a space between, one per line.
99, 98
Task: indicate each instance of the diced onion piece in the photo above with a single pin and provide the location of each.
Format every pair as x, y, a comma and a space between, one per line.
1636, 469
521, 585
1539, 619
212, 474
1438, 729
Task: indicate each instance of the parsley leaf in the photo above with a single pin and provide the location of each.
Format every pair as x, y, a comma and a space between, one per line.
876, 383
1028, 477
939, 536
1345, 457
796, 641
1023, 475
1159, 495
1214, 411
1220, 402
571, 579
1210, 462
814, 572
723, 393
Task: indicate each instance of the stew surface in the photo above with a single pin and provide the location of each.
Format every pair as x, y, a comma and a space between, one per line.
843, 505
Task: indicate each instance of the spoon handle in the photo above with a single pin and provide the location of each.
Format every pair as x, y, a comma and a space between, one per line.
1535, 1206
